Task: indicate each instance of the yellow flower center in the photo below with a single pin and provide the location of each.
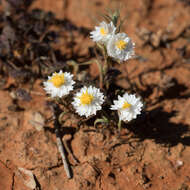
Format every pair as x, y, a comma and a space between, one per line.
86, 98
121, 44
102, 31
57, 80
126, 105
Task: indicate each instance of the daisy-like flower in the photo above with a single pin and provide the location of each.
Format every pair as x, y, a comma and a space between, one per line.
88, 101
128, 107
120, 47
103, 32
59, 84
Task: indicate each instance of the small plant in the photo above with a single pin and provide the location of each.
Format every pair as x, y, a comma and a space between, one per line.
114, 48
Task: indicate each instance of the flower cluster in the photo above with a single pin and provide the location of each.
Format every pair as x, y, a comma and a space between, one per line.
118, 45
89, 100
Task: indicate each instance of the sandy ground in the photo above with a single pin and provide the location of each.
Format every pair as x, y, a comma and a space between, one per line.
151, 153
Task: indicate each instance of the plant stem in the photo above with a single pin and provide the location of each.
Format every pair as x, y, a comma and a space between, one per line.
102, 68
106, 63
128, 79
101, 74
97, 60
119, 125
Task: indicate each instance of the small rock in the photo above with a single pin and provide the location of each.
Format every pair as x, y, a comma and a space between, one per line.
156, 38
37, 121
28, 178
144, 34
179, 163
13, 95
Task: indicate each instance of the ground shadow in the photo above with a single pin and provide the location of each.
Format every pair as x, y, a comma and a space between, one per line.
33, 28
156, 125
174, 91
63, 130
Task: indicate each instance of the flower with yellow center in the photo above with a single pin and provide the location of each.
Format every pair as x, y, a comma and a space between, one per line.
57, 80
128, 106
86, 98
121, 44
59, 84
120, 47
88, 101
103, 32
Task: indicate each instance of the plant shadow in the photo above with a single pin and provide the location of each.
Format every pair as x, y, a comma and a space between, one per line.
63, 130
156, 125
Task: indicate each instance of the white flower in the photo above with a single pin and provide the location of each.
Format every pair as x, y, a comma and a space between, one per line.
120, 47
103, 32
59, 84
88, 100
128, 107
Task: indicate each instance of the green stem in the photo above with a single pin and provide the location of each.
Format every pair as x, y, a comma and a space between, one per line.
101, 74
106, 63
102, 69
119, 125
128, 79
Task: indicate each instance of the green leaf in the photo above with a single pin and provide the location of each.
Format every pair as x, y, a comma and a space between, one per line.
76, 65
101, 120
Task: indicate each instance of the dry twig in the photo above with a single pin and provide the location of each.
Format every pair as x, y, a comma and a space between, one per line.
59, 141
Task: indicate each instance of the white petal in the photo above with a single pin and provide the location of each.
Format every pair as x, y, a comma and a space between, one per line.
129, 113
96, 104
116, 53
98, 37
62, 90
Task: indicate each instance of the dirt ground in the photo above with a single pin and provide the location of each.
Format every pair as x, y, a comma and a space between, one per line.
152, 152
